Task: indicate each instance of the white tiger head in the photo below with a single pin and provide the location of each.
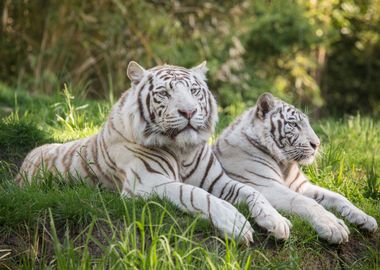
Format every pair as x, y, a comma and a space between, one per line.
174, 104
286, 130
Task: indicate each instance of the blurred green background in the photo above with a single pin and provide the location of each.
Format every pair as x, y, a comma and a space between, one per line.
321, 54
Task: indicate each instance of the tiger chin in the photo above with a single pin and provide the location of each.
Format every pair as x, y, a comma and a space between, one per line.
155, 142
264, 148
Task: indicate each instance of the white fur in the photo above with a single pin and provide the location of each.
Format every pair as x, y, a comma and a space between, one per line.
248, 152
136, 153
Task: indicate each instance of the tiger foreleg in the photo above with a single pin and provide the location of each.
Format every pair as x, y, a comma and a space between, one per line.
327, 225
261, 210
332, 200
224, 216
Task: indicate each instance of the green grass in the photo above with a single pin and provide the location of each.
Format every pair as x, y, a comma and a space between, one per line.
55, 225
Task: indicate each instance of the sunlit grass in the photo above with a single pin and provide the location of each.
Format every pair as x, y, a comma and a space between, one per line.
52, 224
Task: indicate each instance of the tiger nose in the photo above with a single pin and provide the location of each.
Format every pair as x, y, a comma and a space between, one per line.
314, 145
188, 114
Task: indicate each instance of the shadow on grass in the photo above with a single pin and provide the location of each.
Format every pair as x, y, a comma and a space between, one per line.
17, 138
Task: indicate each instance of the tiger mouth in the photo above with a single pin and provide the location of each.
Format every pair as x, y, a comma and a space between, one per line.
173, 133
306, 159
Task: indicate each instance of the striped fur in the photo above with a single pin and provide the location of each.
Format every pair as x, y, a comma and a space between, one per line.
155, 141
264, 147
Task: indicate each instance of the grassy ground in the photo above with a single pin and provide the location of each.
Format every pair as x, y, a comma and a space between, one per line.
56, 225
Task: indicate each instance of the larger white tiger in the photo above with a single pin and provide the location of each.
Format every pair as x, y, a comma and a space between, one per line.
155, 141
264, 147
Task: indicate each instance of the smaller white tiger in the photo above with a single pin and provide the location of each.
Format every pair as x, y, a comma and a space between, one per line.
264, 147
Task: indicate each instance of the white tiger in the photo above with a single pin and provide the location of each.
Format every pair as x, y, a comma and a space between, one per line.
264, 147
155, 141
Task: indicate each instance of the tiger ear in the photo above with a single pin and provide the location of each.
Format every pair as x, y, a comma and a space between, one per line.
201, 69
265, 104
135, 72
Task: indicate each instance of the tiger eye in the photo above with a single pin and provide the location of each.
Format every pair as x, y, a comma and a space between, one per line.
193, 91
164, 94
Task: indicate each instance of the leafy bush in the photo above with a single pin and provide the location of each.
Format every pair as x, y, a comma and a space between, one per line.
315, 53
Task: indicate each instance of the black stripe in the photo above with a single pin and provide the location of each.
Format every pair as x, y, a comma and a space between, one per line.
192, 161
96, 161
211, 187
147, 103
84, 163
258, 146
253, 200
236, 195
192, 200
298, 174
170, 167
139, 100
222, 192
272, 131
69, 154
217, 148
231, 192
196, 164
117, 131
181, 196
300, 185
146, 155
210, 162
173, 171
173, 155
319, 200
102, 152
236, 175
272, 125
262, 176
111, 165
148, 167
137, 176
280, 136
263, 162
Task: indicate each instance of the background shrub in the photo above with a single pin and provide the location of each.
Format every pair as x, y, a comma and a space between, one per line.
324, 54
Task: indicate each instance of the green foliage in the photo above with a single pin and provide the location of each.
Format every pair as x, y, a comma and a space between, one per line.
280, 19
354, 59
318, 53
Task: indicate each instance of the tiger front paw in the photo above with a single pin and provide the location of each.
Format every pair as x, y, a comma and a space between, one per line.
332, 229
268, 218
370, 224
361, 219
279, 226
229, 220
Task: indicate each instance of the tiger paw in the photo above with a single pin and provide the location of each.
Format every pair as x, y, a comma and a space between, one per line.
370, 224
330, 228
277, 225
358, 217
229, 220
268, 217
